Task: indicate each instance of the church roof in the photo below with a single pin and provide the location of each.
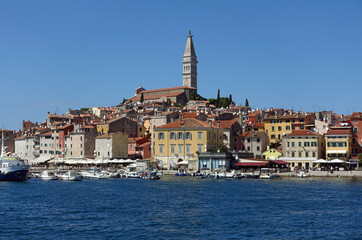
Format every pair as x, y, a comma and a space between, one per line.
167, 89
189, 50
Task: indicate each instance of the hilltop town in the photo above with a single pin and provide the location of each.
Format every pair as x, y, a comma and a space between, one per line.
175, 126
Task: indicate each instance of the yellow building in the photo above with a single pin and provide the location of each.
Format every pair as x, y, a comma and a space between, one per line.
180, 141
303, 147
278, 126
272, 154
338, 144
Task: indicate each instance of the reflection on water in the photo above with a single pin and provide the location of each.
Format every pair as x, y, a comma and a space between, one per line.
182, 208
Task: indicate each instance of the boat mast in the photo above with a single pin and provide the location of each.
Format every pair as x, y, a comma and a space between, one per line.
2, 144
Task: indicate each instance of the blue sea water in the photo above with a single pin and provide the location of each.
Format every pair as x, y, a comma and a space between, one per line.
182, 208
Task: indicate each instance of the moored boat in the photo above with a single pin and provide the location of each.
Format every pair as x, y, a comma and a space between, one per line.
12, 168
71, 176
45, 175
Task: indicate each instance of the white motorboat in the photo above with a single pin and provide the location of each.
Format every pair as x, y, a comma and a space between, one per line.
45, 175
133, 175
266, 174
71, 176
302, 174
220, 175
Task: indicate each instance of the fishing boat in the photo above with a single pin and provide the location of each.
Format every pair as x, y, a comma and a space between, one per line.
12, 168
266, 174
71, 176
302, 174
45, 175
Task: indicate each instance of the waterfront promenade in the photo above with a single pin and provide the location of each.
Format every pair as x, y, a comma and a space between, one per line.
335, 174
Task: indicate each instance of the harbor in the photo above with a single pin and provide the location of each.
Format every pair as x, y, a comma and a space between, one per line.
181, 208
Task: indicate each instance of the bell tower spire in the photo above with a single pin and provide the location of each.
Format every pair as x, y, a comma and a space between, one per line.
189, 64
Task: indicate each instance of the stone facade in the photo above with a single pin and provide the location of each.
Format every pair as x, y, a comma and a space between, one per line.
112, 145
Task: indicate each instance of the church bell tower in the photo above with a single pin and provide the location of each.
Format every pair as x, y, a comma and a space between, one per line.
189, 64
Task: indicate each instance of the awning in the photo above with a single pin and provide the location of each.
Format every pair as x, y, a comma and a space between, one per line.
336, 151
253, 164
279, 162
337, 161
183, 163
320, 161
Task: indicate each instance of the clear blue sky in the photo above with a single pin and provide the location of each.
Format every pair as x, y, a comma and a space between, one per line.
305, 55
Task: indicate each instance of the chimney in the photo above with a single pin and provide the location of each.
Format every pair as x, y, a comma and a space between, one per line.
218, 124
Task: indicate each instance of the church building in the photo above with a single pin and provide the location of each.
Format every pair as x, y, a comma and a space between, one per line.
179, 95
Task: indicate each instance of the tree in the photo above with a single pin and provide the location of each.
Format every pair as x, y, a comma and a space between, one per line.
192, 96
142, 98
218, 98
246, 103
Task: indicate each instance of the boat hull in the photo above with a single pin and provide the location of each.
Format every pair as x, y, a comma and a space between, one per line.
14, 176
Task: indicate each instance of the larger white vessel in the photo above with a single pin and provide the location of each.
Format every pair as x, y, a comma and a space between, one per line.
12, 168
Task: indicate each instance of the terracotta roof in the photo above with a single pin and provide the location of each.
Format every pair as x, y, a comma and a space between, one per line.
292, 116
224, 124
252, 134
357, 115
253, 114
144, 144
88, 126
338, 132
156, 96
302, 133
186, 123
46, 133
167, 89
190, 115
20, 138
64, 127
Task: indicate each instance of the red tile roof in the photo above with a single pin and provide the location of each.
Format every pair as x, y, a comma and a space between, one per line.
156, 96
338, 132
225, 124
167, 89
302, 133
253, 114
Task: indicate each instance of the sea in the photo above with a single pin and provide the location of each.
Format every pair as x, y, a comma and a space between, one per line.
182, 208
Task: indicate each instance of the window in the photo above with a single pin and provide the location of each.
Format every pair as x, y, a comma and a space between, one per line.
248, 148
172, 148
248, 140
313, 154
272, 129
306, 144
293, 154
188, 148
180, 135
306, 154
81, 152
215, 136
258, 148
45, 151
199, 135
199, 148
187, 135
258, 140
272, 136
287, 128
287, 144
313, 144
172, 136
279, 128
293, 144
272, 121
160, 148
302, 127
180, 148
236, 140
131, 147
299, 144
299, 154
355, 130
161, 136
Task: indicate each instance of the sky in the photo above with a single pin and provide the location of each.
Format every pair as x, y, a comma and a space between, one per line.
302, 55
